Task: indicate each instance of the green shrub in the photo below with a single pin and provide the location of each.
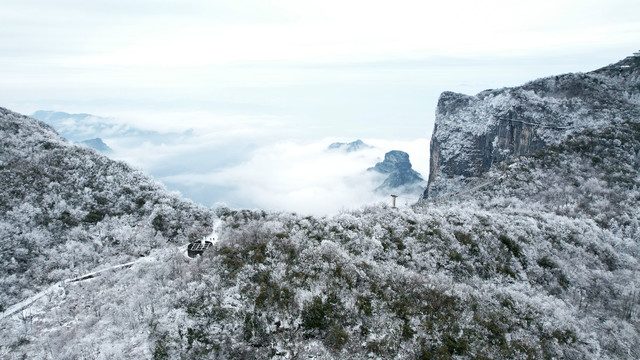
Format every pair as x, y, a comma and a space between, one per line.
364, 305
94, 216
506, 270
158, 223
463, 238
547, 263
314, 314
455, 256
407, 332
565, 337
231, 259
455, 346
511, 245
337, 337
160, 351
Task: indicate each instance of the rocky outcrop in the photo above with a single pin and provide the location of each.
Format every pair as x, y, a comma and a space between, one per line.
474, 133
400, 174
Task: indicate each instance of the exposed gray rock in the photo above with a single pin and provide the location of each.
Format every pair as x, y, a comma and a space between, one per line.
401, 176
394, 160
473, 133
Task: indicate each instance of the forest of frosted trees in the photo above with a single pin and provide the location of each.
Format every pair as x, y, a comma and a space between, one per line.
66, 210
540, 263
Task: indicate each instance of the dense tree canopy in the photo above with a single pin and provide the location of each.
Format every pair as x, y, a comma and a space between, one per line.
540, 263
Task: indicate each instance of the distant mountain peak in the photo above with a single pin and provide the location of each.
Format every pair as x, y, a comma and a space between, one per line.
349, 147
97, 144
80, 127
50, 115
394, 160
401, 176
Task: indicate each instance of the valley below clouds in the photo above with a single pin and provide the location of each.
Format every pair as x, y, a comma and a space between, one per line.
247, 162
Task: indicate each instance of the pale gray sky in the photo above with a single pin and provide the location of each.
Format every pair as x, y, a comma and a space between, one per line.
330, 63
242, 75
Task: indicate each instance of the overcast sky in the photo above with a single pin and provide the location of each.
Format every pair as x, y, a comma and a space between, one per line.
263, 71
337, 64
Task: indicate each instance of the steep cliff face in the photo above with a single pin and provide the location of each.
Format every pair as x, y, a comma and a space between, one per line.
473, 133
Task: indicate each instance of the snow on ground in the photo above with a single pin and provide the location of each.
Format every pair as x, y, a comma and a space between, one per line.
58, 288
213, 237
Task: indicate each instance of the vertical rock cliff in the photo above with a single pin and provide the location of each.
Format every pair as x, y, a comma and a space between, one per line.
474, 133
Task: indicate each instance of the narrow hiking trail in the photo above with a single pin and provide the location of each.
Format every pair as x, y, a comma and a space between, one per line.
59, 287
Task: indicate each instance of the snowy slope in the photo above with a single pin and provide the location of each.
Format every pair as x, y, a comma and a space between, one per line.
66, 209
473, 133
537, 259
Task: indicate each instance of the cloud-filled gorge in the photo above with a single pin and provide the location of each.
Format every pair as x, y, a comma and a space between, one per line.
246, 162
306, 178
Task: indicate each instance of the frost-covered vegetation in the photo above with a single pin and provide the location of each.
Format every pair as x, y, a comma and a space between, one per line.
472, 133
542, 263
539, 261
65, 210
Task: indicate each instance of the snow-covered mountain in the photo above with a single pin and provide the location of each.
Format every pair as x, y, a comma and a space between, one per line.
474, 133
538, 259
65, 209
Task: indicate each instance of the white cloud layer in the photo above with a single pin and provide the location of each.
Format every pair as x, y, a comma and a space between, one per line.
320, 64
196, 33
239, 94
304, 178
146, 44
246, 162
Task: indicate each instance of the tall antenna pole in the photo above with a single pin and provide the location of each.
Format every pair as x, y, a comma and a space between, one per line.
393, 201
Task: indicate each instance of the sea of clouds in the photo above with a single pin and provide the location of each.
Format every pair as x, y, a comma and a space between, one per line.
248, 162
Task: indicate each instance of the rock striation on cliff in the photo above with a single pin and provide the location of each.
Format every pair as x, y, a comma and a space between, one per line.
474, 133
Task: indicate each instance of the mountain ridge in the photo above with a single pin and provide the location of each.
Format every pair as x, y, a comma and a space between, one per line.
355, 145
472, 133
61, 200
98, 144
540, 261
